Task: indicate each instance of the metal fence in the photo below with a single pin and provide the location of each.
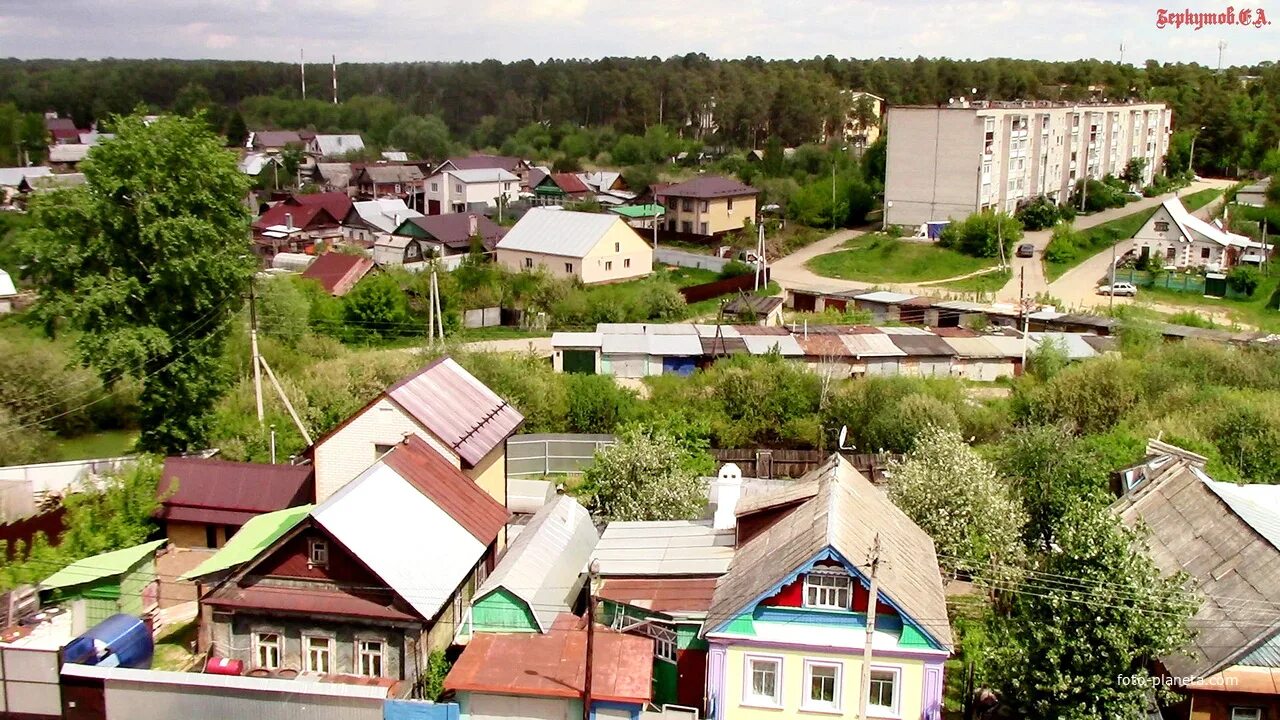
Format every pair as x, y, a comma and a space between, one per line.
1178, 282
553, 453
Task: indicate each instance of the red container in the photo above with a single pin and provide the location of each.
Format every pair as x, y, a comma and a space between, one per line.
224, 666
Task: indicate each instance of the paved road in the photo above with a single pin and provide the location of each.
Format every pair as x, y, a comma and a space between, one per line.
790, 272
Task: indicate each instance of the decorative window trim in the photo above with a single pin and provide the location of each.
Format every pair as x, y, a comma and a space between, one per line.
819, 572
358, 660
807, 702
318, 553
259, 643
882, 710
306, 653
750, 699
665, 645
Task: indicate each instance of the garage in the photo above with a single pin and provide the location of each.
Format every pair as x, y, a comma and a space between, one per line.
629, 366
582, 362
683, 366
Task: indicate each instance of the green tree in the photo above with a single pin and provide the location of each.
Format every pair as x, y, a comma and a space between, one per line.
647, 475
377, 308
1038, 214
1133, 170
1052, 470
981, 234
150, 261
1244, 279
283, 310
597, 404
426, 137
237, 132
773, 160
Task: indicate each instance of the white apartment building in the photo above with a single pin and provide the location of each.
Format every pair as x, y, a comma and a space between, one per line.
948, 162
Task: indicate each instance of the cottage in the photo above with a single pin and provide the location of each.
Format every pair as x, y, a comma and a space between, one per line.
461, 191
441, 404
788, 622
97, 587
1175, 238
1254, 195
372, 221
337, 272
593, 248
334, 146
204, 502
255, 163
257, 534
274, 141
294, 227
333, 175
61, 130
440, 236
339, 594
560, 188
376, 181
708, 206
66, 158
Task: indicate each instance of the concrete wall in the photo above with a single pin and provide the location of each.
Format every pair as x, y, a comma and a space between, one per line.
683, 258
934, 156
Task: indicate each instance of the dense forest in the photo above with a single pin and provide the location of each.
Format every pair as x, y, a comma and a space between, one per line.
485, 104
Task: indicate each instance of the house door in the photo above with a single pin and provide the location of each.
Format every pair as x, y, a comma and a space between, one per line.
433, 207
1146, 253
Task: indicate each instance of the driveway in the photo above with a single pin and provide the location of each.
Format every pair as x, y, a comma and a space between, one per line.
790, 272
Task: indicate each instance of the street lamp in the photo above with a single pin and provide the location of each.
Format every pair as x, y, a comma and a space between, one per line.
1191, 156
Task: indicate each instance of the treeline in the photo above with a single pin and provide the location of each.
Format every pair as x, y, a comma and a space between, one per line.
486, 103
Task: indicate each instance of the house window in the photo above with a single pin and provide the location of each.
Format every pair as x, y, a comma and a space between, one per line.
568, 267
626, 262
457, 188
266, 650
617, 247
826, 589
528, 262
822, 686
318, 553
318, 654
883, 691
686, 226
1169, 254
1204, 253
664, 641
702, 229
706, 205
1246, 713
608, 265
380, 449
435, 187
686, 205
728, 204
211, 536
369, 658
763, 681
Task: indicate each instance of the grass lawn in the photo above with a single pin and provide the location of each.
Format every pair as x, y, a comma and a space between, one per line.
173, 648
877, 258
109, 443
983, 284
1246, 311
684, 277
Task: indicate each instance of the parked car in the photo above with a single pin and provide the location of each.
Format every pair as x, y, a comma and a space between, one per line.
1119, 289
1026, 250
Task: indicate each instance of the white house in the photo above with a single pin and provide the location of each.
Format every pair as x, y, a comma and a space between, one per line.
372, 220
455, 191
7, 293
1176, 238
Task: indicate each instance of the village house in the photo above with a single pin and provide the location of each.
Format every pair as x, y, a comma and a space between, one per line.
335, 176
379, 181
339, 594
204, 501
559, 189
274, 141
294, 228
513, 165
67, 157
443, 405
448, 237
338, 272
1175, 238
61, 130
592, 247
480, 190
708, 206
334, 146
371, 221
254, 164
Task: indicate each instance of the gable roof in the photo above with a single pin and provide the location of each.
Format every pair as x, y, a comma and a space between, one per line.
453, 230
543, 566
383, 174
409, 500
6, 285
275, 138
552, 664
256, 535
846, 514
385, 214
482, 175
100, 567
664, 547
255, 162
709, 186
478, 162
12, 177
559, 232
669, 596
569, 183
1219, 535
229, 493
338, 272
301, 216
68, 153
457, 408
335, 174
600, 180
1193, 228
535, 177
336, 202
327, 145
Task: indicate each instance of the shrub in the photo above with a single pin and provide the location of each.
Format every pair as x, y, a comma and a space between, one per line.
597, 404
1062, 244
979, 234
734, 268
1244, 279
1038, 214
377, 308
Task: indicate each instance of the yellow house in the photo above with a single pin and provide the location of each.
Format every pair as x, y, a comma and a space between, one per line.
444, 405
708, 205
592, 247
787, 627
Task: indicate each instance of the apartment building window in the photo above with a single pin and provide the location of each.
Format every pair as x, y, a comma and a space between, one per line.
763, 684
617, 247
317, 654
826, 589
369, 658
318, 553
822, 686
883, 691
266, 650
986, 167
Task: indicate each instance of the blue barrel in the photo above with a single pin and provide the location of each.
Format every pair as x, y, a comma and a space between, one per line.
119, 641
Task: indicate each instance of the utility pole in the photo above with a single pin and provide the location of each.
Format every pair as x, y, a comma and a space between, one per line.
253, 344
864, 687
335, 79
1111, 296
592, 570
302, 67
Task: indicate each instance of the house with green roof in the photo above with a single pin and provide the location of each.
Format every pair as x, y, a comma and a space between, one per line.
97, 587
253, 537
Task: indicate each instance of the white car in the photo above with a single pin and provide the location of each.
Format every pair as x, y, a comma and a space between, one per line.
1119, 289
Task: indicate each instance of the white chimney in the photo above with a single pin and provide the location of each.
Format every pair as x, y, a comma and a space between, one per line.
728, 492
472, 225
288, 221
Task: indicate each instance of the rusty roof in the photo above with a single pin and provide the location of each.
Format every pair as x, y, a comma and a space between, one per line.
451, 491
229, 493
823, 345
552, 664
679, 596
457, 408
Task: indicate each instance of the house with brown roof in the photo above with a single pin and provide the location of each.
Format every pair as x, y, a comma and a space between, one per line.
561, 188
204, 501
273, 141
61, 130
294, 227
1226, 538
369, 583
443, 405
338, 272
708, 205
418, 238
379, 181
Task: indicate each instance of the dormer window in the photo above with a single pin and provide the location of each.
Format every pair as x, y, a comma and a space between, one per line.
826, 589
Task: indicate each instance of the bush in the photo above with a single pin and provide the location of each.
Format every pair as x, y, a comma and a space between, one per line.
734, 268
597, 404
979, 234
1244, 279
1062, 244
283, 310
376, 309
1038, 214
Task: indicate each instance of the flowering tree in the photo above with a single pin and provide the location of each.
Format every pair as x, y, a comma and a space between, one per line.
648, 475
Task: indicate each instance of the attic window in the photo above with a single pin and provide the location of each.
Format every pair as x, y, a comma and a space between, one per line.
318, 553
1162, 226
826, 589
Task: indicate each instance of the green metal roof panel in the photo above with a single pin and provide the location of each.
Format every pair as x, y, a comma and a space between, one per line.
101, 566
638, 211
1265, 655
251, 539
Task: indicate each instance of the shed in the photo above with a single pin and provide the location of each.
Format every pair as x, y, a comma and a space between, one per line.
203, 502
756, 309
927, 355
883, 305
121, 581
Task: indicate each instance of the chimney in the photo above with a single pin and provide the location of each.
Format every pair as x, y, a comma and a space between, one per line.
728, 492
288, 221
472, 225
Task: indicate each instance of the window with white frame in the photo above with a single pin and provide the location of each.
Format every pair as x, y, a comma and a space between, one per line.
822, 685
1246, 713
266, 650
318, 553
827, 589
369, 658
883, 690
763, 682
664, 640
317, 654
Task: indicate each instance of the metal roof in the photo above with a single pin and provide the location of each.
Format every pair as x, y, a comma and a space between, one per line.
619, 344
709, 331
298, 686
254, 163
975, 347
1258, 505
68, 153
528, 496
639, 212
483, 175
786, 345
576, 339
194, 486
669, 596
904, 330
328, 145
543, 566
100, 567
871, 345
1073, 343
1008, 346
386, 520
12, 177
386, 214
6, 285
252, 538
922, 345
884, 296
559, 232
680, 345
664, 547
457, 408
1265, 655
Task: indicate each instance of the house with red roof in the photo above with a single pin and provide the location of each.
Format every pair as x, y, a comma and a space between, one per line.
337, 272
707, 206
295, 227
369, 583
62, 131
204, 501
337, 203
444, 406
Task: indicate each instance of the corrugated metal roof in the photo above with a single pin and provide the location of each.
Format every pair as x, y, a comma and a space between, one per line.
884, 296
963, 305
1258, 505
824, 345
871, 345
709, 331
457, 408
12, 177
100, 567
974, 347
576, 340
312, 601
252, 538
338, 144
483, 175
745, 330
674, 345
1265, 655
786, 345
1006, 345
543, 567
904, 330
559, 232
446, 486
674, 547
247, 488
671, 329
1073, 343
386, 214
922, 345
619, 344
528, 496
669, 596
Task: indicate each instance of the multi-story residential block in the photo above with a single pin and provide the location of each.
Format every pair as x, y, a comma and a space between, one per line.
862, 115
950, 161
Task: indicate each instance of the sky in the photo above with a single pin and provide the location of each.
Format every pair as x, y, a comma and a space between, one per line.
450, 30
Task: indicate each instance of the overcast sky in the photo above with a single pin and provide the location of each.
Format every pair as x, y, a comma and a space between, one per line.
415, 30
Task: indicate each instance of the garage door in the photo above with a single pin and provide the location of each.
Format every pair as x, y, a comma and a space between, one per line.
630, 366
506, 707
580, 361
679, 365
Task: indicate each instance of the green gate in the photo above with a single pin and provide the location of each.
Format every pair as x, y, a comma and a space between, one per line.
582, 362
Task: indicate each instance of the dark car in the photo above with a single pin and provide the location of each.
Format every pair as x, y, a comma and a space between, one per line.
1026, 250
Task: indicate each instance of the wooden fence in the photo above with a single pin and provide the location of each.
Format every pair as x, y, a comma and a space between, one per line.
794, 463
